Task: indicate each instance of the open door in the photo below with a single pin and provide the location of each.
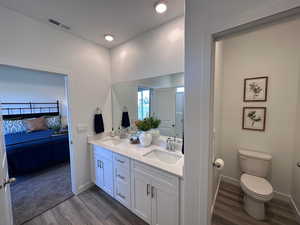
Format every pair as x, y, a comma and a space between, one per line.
5, 201
164, 108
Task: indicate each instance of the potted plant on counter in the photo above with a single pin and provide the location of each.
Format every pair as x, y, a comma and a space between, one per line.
149, 132
155, 122
145, 136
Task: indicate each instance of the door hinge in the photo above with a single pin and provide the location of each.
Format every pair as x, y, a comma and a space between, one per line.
7, 181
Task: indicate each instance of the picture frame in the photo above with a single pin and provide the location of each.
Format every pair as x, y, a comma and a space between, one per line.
254, 118
256, 89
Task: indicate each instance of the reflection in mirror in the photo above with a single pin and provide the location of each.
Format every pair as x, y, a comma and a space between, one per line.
161, 97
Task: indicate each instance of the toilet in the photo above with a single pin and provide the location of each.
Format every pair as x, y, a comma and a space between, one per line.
257, 190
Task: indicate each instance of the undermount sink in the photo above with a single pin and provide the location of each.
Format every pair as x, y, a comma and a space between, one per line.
166, 157
111, 141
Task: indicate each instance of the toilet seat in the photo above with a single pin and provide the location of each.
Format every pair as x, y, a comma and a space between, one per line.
257, 187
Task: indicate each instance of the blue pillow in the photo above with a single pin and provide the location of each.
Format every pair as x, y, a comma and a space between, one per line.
13, 126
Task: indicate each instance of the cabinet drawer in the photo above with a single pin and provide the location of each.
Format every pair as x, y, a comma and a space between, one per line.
121, 160
102, 152
122, 193
122, 174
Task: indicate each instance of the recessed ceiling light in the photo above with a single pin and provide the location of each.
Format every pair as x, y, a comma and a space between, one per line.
161, 7
109, 37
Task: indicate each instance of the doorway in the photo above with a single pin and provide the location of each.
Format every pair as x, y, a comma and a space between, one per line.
256, 100
36, 130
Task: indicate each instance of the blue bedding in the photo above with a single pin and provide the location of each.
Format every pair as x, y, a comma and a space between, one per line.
30, 152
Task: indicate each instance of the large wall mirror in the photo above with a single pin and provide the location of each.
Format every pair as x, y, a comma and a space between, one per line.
161, 97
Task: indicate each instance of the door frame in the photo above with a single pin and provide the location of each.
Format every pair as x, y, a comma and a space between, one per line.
199, 88
261, 23
66, 74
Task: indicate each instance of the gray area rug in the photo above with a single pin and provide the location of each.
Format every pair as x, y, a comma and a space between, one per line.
36, 193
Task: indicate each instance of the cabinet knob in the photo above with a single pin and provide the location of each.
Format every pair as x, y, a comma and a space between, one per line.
122, 196
121, 177
100, 164
298, 164
152, 192
120, 161
148, 189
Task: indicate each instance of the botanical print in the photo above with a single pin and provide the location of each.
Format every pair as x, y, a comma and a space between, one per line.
254, 118
252, 115
255, 89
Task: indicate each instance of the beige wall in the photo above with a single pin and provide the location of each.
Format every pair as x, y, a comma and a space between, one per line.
270, 51
296, 169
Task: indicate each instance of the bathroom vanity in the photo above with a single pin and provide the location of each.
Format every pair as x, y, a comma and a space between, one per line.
148, 181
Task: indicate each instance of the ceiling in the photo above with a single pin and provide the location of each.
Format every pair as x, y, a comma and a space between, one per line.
91, 19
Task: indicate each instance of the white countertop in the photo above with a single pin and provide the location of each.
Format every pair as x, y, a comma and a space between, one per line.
136, 152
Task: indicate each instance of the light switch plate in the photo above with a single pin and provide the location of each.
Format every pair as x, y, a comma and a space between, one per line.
81, 127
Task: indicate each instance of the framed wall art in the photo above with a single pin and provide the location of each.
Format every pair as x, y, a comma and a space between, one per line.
254, 118
256, 89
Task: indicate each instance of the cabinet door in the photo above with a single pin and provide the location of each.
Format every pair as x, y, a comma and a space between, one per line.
165, 204
98, 172
141, 195
108, 184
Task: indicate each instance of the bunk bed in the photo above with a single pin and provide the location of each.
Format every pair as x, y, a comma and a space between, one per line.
29, 152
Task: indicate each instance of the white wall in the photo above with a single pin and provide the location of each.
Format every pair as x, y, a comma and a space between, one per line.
28, 43
254, 54
157, 52
23, 85
124, 95
203, 19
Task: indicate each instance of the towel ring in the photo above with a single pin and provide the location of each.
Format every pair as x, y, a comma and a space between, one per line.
98, 110
125, 109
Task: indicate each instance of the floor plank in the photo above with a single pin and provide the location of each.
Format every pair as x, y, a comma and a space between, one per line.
92, 207
229, 210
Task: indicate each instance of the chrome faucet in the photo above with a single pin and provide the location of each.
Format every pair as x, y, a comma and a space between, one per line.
171, 144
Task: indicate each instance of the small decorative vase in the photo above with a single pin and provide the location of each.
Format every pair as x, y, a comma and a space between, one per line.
145, 138
155, 135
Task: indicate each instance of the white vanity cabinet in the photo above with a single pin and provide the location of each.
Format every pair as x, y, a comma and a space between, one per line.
155, 195
150, 193
103, 169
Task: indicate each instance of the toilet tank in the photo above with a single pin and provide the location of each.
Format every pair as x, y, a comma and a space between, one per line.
254, 163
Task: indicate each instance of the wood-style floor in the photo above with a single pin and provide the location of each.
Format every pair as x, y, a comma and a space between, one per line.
229, 210
92, 207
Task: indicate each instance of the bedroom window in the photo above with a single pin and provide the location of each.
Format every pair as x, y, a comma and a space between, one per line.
143, 103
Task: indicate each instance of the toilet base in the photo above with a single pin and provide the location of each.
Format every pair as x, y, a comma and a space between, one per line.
254, 207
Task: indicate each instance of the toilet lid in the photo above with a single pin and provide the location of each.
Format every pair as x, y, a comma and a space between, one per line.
257, 185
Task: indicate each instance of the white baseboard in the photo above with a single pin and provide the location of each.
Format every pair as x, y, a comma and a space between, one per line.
230, 180
295, 208
84, 187
282, 196
215, 196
